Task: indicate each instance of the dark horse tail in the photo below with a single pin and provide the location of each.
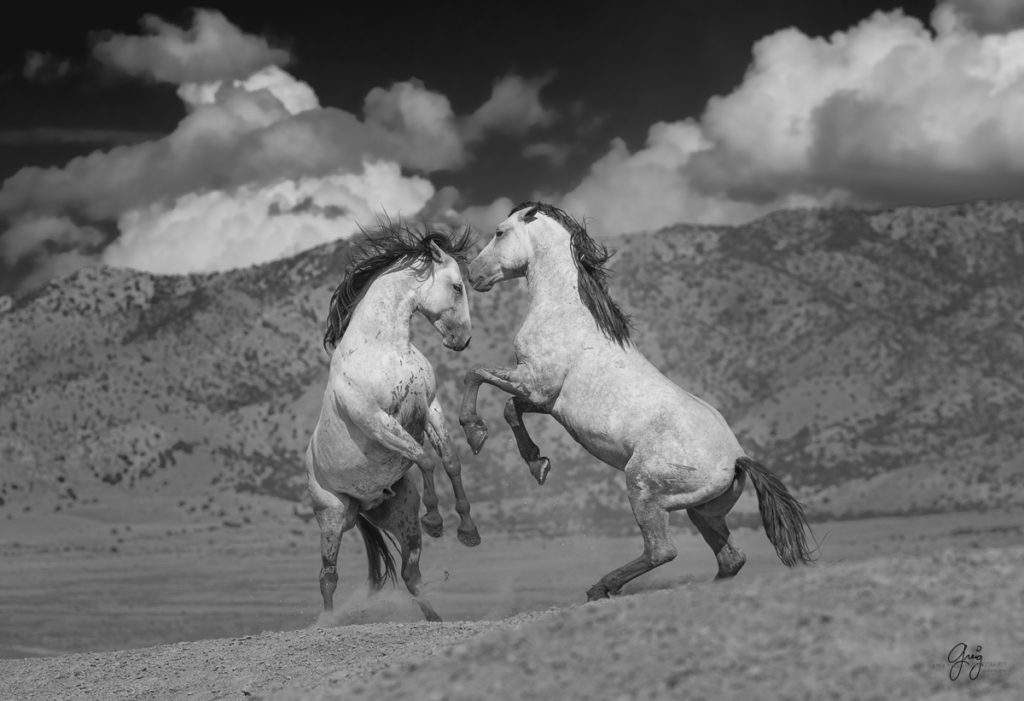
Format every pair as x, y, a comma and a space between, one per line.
380, 562
782, 515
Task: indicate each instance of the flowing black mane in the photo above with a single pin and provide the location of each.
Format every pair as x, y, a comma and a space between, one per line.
372, 252
590, 257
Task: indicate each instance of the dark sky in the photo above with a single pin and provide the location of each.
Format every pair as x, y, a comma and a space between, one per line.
621, 66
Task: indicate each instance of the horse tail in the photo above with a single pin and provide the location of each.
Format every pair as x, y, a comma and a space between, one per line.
782, 515
380, 561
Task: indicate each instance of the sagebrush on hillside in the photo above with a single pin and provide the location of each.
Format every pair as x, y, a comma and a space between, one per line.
869, 358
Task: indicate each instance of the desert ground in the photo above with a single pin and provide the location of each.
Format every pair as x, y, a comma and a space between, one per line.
134, 604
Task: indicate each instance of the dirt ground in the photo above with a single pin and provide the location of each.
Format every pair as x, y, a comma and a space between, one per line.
876, 618
878, 629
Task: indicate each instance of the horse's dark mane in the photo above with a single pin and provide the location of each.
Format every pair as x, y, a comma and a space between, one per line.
372, 252
590, 258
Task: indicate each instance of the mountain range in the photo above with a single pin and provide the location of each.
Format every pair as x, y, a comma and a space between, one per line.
871, 358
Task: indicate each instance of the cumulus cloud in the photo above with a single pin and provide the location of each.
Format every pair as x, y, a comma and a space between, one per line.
418, 124
555, 154
241, 180
42, 67
513, 107
651, 188
295, 95
42, 247
221, 230
212, 49
245, 137
884, 113
255, 131
30, 236
981, 16
207, 150
484, 218
256, 168
441, 208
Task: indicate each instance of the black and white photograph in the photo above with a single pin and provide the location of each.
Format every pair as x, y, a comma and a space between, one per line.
536, 350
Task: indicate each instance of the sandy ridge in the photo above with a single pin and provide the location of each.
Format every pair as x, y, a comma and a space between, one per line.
873, 629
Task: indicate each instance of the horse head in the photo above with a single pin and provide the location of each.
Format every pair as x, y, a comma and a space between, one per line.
507, 255
536, 232
442, 299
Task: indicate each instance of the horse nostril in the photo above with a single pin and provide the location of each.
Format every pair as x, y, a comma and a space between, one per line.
467, 343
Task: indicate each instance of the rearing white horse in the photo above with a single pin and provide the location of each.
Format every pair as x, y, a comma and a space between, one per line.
576, 362
380, 402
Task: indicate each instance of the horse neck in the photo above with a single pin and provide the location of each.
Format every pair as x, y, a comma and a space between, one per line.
552, 278
384, 314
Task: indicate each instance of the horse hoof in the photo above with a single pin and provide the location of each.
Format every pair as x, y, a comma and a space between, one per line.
433, 527
429, 613
598, 591
476, 435
469, 538
539, 469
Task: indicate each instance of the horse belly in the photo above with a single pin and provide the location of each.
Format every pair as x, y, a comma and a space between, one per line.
598, 431
606, 404
369, 483
605, 448
347, 462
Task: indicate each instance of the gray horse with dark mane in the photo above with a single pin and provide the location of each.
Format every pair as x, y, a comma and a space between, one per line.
575, 361
380, 403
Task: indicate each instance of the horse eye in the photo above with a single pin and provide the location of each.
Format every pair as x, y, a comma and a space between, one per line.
458, 288
498, 234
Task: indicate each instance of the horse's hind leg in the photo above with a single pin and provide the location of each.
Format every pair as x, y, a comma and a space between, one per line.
709, 518
515, 407
432, 522
335, 515
398, 516
652, 517
655, 487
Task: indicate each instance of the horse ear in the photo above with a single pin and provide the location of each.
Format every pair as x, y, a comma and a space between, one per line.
436, 253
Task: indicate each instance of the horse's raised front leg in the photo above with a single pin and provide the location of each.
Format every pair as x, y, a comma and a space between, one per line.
437, 432
384, 428
515, 407
511, 380
387, 431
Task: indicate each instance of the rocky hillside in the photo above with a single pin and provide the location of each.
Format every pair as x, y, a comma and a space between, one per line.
871, 358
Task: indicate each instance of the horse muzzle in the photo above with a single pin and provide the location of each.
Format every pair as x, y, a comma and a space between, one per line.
455, 344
